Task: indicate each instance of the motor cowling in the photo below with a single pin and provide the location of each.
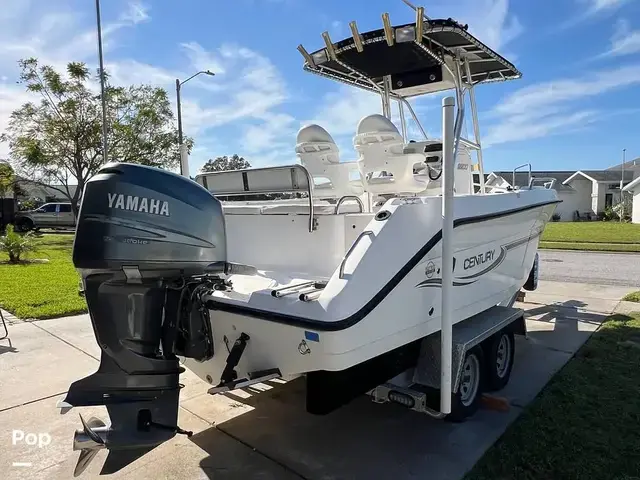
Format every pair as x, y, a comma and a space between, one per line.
148, 244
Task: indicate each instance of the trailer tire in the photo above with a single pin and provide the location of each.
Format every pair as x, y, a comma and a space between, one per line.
466, 401
499, 350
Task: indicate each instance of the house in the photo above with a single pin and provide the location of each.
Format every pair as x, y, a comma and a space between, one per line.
634, 189
583, 192
44, 193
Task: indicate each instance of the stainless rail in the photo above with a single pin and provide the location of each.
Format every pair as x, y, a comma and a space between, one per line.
280, 292
366, 233
348, 197
548, 180
513, 183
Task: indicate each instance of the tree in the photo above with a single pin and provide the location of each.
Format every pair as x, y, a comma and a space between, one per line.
7, 179
221, 164
59, 140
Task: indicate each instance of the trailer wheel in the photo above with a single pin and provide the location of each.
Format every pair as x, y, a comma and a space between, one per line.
499, 352
466, 400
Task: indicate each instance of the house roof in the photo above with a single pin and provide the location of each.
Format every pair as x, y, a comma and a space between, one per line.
633, 164
603, 175
522, 178
42, 191
633, 187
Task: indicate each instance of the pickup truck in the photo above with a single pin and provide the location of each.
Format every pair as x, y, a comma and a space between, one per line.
49, 215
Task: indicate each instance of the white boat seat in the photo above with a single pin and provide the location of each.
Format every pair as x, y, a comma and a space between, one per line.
381, 149
320, 155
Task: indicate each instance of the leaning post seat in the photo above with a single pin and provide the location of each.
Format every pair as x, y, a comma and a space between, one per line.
320, 155
380, 148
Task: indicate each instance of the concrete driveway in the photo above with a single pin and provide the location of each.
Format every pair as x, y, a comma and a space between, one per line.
598, 268
263, 432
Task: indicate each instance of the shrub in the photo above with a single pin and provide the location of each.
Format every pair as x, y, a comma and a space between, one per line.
555, 217
16, 245
608, 214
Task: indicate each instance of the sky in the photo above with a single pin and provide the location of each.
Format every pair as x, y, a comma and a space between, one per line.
576, 106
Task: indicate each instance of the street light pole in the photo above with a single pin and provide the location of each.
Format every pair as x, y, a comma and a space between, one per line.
179, 112
102, 95
624, 155
184, 155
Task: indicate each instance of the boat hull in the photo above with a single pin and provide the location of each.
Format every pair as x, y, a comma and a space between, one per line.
494, 250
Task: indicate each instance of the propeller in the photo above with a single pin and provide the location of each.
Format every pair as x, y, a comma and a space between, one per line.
89, 442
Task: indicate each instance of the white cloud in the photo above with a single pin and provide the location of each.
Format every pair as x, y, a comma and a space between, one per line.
595, 6
489, 20
589, 9
340, 111
201, 59
135, 13
548, 108
551, 93
624, 40
495, 26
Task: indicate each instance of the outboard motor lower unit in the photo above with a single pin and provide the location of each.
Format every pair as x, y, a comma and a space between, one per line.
148, 244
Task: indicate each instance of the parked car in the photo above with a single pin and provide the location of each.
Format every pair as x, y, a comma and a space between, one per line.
49, 215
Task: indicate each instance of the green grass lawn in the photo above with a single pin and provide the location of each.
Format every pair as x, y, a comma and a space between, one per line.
42, 290
604, 236
584, 424
632, 297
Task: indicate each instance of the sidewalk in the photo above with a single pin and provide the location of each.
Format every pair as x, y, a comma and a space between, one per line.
267, 434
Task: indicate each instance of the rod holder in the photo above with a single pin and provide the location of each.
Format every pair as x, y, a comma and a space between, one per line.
419, 23
330, 48
357, 39
306, 55
388, 31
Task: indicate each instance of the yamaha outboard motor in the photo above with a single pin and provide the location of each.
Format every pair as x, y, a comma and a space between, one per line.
148, 244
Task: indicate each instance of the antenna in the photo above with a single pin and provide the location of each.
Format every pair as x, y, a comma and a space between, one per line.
413, 7
102, 87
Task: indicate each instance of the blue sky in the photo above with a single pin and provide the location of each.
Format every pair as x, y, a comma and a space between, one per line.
576, 107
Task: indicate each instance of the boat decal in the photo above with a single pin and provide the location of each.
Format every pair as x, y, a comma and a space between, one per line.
479, 259
437, 282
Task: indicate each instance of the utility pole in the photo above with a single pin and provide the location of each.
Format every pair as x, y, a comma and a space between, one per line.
624, 155
102, 94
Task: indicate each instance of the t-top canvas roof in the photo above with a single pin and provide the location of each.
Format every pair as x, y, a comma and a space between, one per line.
415, 65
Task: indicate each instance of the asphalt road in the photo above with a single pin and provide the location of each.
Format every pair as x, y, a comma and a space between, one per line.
621, 269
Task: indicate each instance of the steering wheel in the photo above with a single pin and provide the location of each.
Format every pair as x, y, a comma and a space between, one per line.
433, 169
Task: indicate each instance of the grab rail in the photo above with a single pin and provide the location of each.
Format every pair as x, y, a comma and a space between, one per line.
513, 183
550, 180
366, 233
349, 197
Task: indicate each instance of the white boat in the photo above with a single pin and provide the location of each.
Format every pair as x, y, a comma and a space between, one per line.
344, 281
344, 276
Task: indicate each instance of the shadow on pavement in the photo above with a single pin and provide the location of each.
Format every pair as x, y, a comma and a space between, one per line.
366, 440
7, 347
360, 440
